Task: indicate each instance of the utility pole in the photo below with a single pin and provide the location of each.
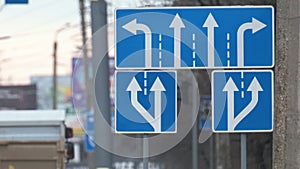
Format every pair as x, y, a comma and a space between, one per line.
85, 56
103, 159
54, 97
86, 61
286, 135
54, 78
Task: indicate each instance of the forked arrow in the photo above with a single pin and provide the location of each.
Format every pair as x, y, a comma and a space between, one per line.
254, 88
255, 25
133, 27
230, 88
157, 88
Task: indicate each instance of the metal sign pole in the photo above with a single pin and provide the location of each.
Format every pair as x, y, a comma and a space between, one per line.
243, 151
195, 129
211, 152
145, 151
195, 146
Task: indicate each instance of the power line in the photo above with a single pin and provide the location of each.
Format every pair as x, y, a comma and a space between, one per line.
22, 46
72, 27
46, 22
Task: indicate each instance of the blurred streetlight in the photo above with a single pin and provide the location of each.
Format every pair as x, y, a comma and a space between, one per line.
55, 44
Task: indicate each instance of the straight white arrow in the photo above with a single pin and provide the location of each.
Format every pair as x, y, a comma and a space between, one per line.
157, 88
133, 27
230, 88
254, 88
255, 25
177, 24
134, 88
210, 24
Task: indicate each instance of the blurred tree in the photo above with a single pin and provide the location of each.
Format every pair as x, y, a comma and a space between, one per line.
222, 2
157, 2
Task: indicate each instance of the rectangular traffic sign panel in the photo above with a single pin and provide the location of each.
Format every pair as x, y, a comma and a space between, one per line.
90, 133
146, 102
197, 37
242, 101
205, 121
89, 143
16, 1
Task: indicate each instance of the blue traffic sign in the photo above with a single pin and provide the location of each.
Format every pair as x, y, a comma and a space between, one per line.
89, 143
16, 1
198, 37
205, 122
90, 133
146, 102
242, 101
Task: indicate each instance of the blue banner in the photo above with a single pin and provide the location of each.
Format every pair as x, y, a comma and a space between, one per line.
16, 1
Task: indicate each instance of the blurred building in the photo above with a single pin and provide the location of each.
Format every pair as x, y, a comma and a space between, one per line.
45, 92
65, 102
18, 97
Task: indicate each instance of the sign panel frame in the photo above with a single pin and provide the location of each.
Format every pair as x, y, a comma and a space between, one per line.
226, 100
242, 29
158, 91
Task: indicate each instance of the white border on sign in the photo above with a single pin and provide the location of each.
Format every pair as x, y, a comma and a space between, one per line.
150, 132
202, 7
242, 131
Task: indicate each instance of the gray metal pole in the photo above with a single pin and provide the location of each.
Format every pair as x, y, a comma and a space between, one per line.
145, 152
195, 129
211, 152
88, 96
195, 146
85, 56
102, 158
243, 151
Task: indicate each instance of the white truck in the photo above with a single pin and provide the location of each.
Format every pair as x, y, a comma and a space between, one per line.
34, 139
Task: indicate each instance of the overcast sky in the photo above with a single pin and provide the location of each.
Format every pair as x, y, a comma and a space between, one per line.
31, 28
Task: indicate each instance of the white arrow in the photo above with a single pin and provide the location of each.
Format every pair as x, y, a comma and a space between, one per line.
230, 88
177, 24
157, 88
254, 88
210, 24
133, 27
255, 25
134, 88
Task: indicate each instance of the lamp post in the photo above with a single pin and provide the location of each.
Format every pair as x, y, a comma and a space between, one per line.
54, 80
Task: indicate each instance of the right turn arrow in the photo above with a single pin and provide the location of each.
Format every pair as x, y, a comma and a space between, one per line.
255, 25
